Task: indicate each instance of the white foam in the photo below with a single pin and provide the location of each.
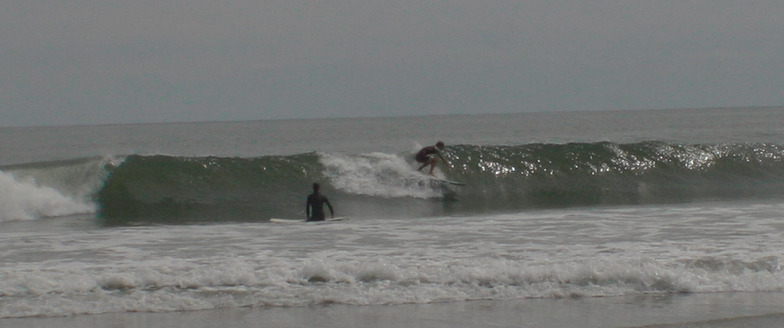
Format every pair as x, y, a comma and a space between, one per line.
545, 254
172, 284
377, 174
25, 200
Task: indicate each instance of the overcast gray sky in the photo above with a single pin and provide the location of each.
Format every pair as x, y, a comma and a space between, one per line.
126, 61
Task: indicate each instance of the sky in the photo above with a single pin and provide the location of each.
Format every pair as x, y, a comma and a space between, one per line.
66, 62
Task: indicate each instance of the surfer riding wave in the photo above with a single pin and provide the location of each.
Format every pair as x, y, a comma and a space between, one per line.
429, 156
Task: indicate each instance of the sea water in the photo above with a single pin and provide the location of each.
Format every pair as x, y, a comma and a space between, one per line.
557, 206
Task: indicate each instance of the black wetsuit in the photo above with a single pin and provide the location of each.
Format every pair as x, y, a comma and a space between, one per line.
316, 205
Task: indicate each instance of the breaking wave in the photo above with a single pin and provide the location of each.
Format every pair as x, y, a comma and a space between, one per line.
161, 188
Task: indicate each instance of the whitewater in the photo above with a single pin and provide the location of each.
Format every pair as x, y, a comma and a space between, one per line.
670, 207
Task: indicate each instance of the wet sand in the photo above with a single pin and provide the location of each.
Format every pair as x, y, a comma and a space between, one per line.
664, 311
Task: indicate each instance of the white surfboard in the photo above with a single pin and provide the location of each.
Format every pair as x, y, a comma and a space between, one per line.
454, 183
277, 220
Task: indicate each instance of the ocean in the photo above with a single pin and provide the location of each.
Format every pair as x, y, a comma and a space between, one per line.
637, 218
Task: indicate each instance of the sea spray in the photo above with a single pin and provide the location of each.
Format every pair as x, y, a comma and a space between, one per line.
24, 199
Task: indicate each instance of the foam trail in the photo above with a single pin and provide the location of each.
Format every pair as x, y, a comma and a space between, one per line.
24, 200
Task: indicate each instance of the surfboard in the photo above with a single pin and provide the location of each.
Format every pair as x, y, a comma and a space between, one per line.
277, 220
454, 183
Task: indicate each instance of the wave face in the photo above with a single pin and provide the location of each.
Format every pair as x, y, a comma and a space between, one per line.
498, 178
576, 174
206, 188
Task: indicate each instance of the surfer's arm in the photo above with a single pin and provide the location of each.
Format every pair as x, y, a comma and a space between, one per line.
331, 211
440, 155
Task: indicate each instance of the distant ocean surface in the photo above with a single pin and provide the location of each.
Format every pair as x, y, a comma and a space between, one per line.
176, 217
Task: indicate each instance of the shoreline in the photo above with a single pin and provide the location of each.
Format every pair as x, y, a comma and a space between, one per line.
662, 311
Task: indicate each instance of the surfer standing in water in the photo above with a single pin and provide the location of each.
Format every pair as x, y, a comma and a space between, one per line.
429, 156
314, 209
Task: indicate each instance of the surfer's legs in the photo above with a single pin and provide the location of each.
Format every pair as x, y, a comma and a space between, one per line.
430, 161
